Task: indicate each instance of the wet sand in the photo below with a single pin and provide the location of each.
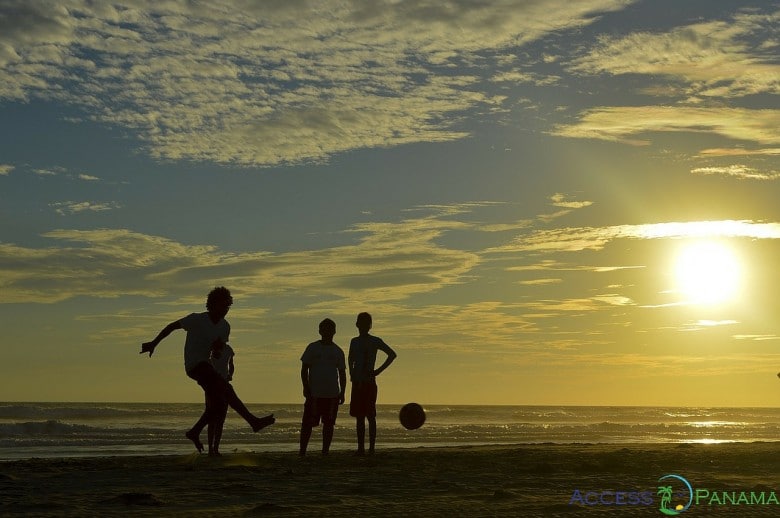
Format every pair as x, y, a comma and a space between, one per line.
522, 480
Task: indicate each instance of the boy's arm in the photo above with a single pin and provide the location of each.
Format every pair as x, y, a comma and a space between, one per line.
391, 356
305, 380
148, 347
342, 384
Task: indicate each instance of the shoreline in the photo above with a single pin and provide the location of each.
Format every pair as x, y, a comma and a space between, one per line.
499, 480
182, 448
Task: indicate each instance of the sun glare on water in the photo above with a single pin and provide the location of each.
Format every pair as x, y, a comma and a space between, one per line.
707, 272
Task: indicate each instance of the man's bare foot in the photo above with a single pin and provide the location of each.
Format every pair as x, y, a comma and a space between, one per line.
195, 440
262, 422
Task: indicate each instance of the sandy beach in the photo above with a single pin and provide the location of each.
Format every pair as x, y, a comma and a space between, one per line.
518, 480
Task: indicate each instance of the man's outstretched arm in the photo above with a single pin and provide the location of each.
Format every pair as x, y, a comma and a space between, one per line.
148, 347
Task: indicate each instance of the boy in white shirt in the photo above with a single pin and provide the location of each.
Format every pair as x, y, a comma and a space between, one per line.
324, 377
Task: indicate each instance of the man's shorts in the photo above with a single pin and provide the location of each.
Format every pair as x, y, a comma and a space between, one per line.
208, 378
214, 386
362, 403
317, 409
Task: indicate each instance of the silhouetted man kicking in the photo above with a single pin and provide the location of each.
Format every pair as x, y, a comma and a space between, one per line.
206, 332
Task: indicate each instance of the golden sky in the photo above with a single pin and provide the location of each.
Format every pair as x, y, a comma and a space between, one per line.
540, 202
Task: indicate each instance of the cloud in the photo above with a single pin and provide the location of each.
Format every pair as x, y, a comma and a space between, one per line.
596, 238
454, 208
720, 59
567, 206
739, 171
48, 172
559, 200
555, 307
6, 169
461, 327
519, 77
539, 282
390, 261
614, 299
757, 338
401, 269
700, 68
63, 172
714, 323
271, 83
646, 365
716, 152
74, 207
629, 124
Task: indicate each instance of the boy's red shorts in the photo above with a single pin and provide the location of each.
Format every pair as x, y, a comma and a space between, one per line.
362, 402
320, 408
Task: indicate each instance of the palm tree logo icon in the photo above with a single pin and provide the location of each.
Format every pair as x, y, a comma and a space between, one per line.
666, 493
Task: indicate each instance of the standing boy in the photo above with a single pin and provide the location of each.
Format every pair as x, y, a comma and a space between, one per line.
324, 376
362, 359
206, 332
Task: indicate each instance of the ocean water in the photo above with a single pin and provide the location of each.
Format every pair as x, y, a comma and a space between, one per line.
50, 430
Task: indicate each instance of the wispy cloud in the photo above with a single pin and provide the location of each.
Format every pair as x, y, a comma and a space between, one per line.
721, 59
74, 207
632, 124
590, 238
401, 267
739, 171
699, 70
559, 200
454, 208
723, 152
713, 323
48, 172
647, 365
462, 327
391, 261
757, 338
540, 282
264, 84
64, 173
6, 169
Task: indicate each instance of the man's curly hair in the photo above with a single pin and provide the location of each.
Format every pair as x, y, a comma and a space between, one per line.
219, 294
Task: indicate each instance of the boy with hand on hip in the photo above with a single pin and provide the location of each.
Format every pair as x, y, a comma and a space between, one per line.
362, 360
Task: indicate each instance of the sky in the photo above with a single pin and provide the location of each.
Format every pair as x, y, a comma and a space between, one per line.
540, 202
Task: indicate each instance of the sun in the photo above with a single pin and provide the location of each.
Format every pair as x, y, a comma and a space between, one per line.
707, 272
